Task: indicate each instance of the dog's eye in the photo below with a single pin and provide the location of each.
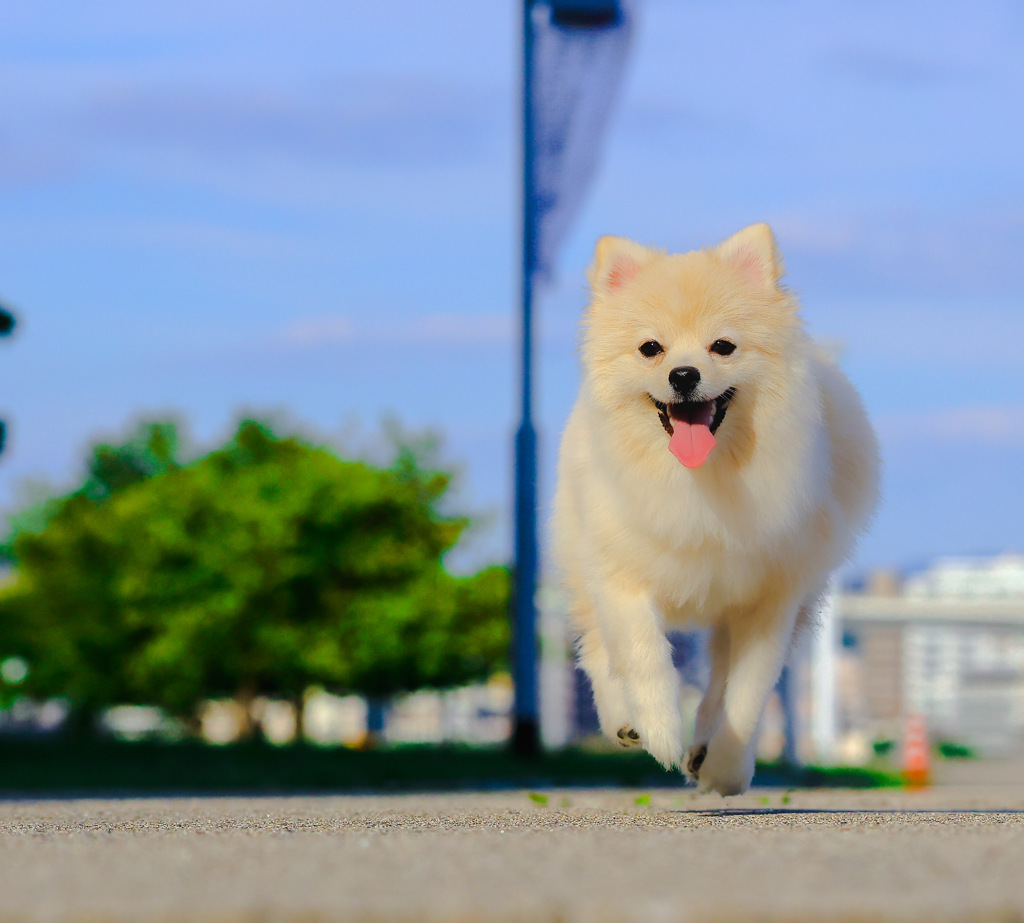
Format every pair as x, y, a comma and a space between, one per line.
722, 347
651, 348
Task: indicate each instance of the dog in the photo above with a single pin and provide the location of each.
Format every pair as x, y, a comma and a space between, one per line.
716, 467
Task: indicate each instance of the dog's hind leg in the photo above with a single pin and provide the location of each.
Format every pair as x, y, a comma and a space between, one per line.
709, 713
758, 644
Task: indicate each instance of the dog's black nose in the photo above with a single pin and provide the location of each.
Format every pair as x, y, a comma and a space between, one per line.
684, 379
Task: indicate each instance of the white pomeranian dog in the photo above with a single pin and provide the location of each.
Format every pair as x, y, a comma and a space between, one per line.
716, 467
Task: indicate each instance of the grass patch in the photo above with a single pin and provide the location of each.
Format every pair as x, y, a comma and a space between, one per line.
951, 750
67, 766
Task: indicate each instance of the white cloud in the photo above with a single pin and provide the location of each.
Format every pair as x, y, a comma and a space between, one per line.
311, 330
816, 233
454, 329
459, 328
985, 426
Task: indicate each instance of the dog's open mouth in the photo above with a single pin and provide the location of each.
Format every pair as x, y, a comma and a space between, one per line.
691, 426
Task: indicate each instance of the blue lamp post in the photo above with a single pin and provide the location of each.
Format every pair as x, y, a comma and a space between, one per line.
567, 24
6, 326
526, 728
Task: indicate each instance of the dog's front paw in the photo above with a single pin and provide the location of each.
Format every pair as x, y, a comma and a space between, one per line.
663, 740
725, 766
628, 737
695, 759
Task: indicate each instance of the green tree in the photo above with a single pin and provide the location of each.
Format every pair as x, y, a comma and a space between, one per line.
151, 451
262, 568
63, 612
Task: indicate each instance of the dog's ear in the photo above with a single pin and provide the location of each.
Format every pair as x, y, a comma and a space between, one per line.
616, 261
754, 253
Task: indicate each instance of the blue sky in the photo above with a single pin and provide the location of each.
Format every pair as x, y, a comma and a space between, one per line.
310, 209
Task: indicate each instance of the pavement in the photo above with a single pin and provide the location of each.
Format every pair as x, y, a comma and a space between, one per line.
950, 853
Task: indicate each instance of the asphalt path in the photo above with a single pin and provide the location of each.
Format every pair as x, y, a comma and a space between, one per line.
950, 853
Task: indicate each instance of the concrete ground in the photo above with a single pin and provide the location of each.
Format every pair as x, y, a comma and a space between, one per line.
954, 852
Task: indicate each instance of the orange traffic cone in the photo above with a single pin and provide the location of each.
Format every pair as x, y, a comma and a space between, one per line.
916, 762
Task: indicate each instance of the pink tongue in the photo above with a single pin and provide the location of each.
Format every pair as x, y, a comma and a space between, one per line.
691, 442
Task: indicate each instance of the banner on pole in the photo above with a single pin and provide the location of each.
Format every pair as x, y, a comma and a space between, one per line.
579, 49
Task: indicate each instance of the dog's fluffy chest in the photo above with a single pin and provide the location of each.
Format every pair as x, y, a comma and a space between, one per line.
703, 542
695, 575
696, 557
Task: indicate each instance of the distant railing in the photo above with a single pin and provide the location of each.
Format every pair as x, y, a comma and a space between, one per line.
922, 609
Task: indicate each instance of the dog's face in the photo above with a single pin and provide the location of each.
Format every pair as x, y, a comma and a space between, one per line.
687, 339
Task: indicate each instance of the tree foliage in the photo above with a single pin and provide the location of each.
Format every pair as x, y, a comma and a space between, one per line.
264, 567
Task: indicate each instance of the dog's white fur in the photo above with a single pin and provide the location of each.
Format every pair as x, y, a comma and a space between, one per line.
743, 544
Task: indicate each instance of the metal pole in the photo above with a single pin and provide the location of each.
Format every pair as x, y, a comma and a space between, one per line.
823, 682
6, 326
786, 688
525, 735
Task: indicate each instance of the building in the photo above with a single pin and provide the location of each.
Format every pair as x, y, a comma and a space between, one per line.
948, 644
